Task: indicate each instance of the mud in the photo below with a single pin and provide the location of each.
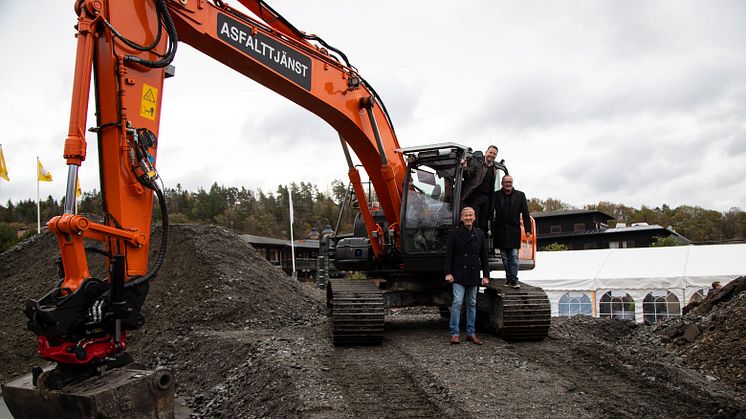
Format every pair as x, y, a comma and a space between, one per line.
244, 340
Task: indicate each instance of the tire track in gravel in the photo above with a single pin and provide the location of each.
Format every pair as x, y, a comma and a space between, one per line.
627, 386
375, 384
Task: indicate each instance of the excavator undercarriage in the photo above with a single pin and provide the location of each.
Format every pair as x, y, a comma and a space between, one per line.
356, 310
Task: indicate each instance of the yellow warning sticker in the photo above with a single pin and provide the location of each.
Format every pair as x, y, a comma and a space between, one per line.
149, 101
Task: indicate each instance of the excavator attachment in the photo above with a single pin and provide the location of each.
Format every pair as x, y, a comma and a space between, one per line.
127, 392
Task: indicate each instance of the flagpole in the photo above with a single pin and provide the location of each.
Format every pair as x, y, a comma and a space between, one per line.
292, 242
38, 200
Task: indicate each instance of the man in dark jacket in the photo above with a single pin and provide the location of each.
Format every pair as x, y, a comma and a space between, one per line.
510, 205
479, 185
466, 253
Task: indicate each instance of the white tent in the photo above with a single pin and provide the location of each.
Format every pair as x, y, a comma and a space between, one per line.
635, 282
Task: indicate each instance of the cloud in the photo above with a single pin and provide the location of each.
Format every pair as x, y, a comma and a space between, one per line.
634, 102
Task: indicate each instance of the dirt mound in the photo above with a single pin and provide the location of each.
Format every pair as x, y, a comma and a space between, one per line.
244, 340
711, 336
210, 281
27, 270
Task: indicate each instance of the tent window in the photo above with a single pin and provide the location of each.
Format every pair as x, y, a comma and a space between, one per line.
698, 296
618, 305
659, 305
575, 303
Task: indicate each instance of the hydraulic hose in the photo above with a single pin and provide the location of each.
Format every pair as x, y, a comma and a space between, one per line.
164, 240
173, 40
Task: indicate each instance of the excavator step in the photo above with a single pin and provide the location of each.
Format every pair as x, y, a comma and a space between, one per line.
355, 312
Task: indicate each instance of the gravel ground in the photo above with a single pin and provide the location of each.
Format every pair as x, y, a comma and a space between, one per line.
246, 341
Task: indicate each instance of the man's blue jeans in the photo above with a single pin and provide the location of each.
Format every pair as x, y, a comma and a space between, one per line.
510, 262
471, 308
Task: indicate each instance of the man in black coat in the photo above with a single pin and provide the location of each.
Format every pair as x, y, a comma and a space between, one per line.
510, 205
466, 254
480, 173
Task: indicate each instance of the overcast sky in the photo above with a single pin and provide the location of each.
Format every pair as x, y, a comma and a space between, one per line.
635, 102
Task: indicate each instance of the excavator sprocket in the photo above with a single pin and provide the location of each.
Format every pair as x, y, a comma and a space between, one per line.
355, 312
515, 314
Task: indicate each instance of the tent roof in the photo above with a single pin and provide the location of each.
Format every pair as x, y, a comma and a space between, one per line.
637, 268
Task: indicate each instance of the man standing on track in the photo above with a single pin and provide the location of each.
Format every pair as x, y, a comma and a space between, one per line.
510, 205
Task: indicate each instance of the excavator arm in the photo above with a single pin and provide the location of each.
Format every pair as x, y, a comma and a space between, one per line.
127, 46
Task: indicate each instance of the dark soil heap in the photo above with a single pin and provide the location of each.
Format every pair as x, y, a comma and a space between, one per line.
210, 283
244, 340
711, 336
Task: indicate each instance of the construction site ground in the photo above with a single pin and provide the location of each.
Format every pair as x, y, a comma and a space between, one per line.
245, 340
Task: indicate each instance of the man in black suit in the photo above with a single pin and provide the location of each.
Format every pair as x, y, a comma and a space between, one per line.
510, 205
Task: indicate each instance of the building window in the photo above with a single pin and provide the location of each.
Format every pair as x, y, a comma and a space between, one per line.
575, 303
591, 246
660, 305
578, 227
555, 229
621, 244
617, 304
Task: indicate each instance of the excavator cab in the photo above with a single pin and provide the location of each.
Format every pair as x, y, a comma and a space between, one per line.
430, 205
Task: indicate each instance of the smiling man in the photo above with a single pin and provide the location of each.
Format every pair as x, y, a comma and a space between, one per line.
466, 253
510, 206
479, 184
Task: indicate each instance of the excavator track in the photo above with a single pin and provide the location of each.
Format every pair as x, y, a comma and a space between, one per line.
355, 312
515, 314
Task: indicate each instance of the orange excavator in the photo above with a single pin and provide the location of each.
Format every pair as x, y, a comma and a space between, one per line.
128, 46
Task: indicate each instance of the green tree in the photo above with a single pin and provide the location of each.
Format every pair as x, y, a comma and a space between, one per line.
553, 247
664, 242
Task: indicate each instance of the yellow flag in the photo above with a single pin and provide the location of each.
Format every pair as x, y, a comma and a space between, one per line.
3, 167
42, 174
77, 188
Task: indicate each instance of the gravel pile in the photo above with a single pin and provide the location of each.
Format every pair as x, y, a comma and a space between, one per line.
244, 340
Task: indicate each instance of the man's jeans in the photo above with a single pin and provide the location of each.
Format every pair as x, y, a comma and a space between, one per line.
510, 262
471, 308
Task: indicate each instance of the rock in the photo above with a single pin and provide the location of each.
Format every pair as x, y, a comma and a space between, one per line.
691, 332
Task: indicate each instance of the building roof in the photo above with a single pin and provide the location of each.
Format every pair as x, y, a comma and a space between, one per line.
561, 213
307, 244
619, 230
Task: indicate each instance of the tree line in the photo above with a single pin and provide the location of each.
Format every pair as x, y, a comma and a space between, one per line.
242, 210
261, 213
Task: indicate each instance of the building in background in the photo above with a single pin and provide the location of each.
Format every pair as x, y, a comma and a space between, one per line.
278, 253
589, 229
